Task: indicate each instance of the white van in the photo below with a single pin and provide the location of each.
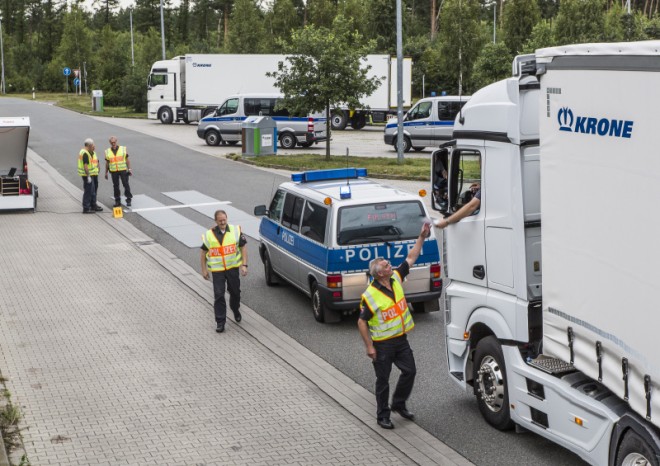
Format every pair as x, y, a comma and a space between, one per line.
16, 191
428, 124
323, 227
224, 125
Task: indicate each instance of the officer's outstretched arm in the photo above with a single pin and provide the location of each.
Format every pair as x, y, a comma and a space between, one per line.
417, 249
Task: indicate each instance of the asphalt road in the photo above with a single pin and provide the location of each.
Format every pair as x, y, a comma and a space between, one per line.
159, 166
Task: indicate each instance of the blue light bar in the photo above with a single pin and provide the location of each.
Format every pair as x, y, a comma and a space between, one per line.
330, 174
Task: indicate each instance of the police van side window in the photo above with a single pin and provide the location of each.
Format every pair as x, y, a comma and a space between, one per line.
314, 222
256, 106
449, 110
275, 209
292, 211
229, 107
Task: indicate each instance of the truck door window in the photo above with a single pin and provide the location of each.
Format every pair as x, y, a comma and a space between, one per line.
157, 79
229, 107
465, 179
314, 222
275, 209
292, 211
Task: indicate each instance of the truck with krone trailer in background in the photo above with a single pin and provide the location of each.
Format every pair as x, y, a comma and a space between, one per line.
189, 87
550, 307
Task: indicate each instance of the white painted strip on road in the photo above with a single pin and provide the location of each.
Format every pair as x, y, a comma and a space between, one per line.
145, 209
174, 224
202, 204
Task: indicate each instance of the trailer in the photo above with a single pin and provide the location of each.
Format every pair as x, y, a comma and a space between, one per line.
549, 310
16, 190
190, 87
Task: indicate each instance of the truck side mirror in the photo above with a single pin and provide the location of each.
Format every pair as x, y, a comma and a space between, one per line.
260, 210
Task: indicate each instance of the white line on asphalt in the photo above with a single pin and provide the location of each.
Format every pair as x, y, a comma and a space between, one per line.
181, 206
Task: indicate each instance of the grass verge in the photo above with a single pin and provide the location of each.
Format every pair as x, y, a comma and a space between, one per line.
10, 417
80, 104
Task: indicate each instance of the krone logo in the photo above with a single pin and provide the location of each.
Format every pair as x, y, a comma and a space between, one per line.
596, 126
565, 119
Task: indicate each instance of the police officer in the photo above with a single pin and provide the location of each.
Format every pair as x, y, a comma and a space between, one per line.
224, 255
116, 162
88, 169
384, 323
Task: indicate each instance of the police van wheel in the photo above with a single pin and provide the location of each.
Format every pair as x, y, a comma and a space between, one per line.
407, 145
288, 141
317, 306
212, 138
269, 273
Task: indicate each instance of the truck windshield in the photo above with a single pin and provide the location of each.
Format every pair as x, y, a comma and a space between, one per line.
381, 222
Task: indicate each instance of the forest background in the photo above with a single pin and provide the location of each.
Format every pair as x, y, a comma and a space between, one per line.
41, 38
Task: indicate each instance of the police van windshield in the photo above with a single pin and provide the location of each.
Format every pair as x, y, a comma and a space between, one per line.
377, 223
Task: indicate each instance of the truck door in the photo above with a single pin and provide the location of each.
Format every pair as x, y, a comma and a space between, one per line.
466, 251
162, 87
419, 124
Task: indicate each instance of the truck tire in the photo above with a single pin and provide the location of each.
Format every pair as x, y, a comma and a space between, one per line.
359, 121
269, 273
407, 145
165, 115
288, 141
635, 451
338, 120
212, 137
490, 384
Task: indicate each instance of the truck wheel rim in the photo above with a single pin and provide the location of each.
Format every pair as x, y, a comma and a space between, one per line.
635, 459
490, 382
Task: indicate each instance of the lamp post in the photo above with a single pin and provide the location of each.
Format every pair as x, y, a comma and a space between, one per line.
130, 10
399, 83
494, 19
2, 58
162, 29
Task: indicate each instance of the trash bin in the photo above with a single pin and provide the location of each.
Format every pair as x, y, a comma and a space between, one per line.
259, 136
97, 101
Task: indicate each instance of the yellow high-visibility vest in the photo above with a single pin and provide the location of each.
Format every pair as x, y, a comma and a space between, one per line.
116, 162
391, 318
93, 163
225, 256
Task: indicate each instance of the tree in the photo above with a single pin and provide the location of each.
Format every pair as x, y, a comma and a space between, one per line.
493, 64
321, 13
246, 34
520, 17
579, 21
326, 70
541, 37
283, 18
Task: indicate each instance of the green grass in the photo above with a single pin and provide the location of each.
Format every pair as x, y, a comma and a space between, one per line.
80, 104
377, 167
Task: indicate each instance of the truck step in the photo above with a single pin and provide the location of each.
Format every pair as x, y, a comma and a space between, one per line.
552, 366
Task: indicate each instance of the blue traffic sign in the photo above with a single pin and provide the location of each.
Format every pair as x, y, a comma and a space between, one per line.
76, 82
67, 71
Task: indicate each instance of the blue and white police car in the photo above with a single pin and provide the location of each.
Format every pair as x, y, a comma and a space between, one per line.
323, 227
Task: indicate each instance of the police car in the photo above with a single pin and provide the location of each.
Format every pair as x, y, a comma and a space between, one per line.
322, 229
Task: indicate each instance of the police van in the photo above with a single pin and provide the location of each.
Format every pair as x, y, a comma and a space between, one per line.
429, 123
323, 228
224, 125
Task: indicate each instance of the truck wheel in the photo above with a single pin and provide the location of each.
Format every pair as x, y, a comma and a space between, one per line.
407, 145
338, 120
635, 451
212, 137
288, 141
359, 121
165, 115
490, 384
269, 273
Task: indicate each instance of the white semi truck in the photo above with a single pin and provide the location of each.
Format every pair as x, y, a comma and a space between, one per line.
550, 307
189, 87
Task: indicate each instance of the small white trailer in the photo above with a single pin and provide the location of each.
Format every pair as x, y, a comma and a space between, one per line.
16, 190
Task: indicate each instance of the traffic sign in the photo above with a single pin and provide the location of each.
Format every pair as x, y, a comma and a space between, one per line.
67, 71
76, 82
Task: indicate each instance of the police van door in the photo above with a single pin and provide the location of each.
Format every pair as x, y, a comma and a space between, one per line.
419, 124
290, 237
229, 120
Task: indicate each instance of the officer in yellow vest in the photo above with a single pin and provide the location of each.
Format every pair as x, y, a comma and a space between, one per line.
88, 169
384, 323
224, 254
117, 163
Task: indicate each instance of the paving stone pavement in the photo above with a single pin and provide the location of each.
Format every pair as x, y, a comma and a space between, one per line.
108, 346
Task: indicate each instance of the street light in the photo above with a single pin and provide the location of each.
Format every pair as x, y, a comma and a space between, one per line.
2, 58
162, 29
132, 52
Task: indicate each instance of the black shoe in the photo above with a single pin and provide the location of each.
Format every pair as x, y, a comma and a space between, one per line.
128, 202
403, 412
237, 316
98, 208
88, 211
220, 328
117, 204
385, 423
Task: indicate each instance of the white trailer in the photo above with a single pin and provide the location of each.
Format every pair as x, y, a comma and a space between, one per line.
550, 317
16, 190
187, 88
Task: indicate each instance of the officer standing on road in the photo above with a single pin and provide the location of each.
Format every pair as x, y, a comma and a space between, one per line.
117, 163
384, 323
88, 169
224, 254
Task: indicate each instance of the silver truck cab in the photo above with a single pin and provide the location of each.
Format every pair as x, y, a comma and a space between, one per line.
323, 228
429, 123
224, 125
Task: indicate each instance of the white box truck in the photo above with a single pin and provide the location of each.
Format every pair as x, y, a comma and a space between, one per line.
16, 191
188, 88
550, 307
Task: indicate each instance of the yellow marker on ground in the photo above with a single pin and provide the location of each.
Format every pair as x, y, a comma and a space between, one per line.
117, 212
